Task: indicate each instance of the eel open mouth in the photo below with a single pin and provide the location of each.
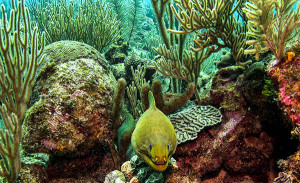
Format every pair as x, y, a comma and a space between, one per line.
159, 165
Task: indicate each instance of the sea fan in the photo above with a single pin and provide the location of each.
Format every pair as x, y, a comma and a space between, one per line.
118, 8
133, 17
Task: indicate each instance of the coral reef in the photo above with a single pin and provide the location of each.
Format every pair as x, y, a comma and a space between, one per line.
239, 149
92, 168
175, 62
134, 90
73, 108
233, 119
116, 122
160, 10
290, 168
253, 83
33, 173
62, 52
270, 91
225, 76
225, 60
118, 70
73, 119
133, 18
286, 76
282, 177
194, 17
186, 67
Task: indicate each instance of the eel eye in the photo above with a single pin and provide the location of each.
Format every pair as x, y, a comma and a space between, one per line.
168, 146
150, 146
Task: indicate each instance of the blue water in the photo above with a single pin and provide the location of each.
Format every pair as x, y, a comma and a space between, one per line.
147, 3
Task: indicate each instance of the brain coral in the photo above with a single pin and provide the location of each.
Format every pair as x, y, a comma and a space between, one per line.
63, 51
190, 121
73, 99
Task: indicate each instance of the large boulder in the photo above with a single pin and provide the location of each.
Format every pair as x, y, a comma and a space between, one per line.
72, 100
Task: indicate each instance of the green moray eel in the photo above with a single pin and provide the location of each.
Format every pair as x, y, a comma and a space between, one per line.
154, 138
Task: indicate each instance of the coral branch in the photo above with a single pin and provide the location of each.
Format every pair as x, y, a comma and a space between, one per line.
18, 65
271, 24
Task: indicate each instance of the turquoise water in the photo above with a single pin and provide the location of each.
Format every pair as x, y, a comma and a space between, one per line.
235, 91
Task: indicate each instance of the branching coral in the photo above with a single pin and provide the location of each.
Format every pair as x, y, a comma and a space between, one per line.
160, 7
215, 26
19, 60
9, 146
163, 11
135, 88
271, 23
212, 21
93, 23
188, 68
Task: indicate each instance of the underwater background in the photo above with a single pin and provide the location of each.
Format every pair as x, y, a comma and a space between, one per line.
178, 91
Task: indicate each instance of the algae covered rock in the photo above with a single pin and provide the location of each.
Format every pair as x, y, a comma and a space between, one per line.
225, 60
73, 103
116, 53
252, 82
33, 174
63, 51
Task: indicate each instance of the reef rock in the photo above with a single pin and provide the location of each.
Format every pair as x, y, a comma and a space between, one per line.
235, 151
116, 53
286, 75
73, 102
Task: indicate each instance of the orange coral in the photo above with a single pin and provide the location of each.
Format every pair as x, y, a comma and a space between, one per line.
291, 55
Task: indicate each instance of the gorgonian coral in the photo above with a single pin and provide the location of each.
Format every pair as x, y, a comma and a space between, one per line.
271, 23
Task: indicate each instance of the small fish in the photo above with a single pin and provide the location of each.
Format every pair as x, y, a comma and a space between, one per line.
154, 138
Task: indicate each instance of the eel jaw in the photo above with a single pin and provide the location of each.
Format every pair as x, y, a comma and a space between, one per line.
156, 166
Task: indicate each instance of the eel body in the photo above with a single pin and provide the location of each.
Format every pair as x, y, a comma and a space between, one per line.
154, 138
